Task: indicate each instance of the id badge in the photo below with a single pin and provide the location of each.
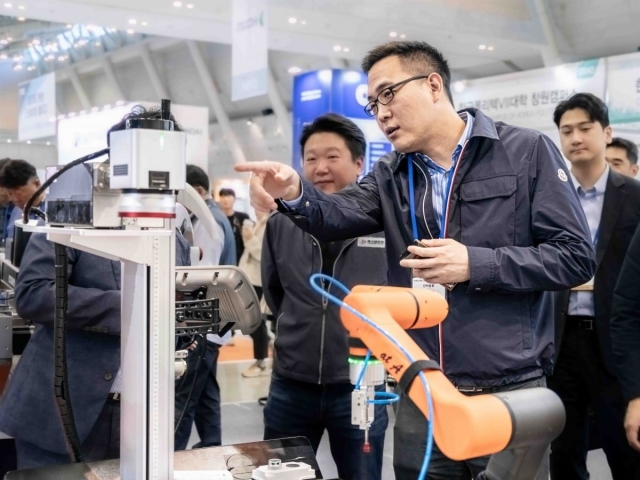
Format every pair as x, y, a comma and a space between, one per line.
586, 287
421, 284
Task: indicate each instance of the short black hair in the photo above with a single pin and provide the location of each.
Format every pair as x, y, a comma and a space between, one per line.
417, 57
595, 108
16, 173
630, 147
334, 123
197, 177
140, 112
227, 192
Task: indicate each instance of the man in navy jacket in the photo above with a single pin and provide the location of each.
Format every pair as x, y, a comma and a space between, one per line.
497, 210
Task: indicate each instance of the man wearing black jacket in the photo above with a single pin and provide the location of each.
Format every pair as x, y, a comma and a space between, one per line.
310, 388
625, 337
500, 218
583, 375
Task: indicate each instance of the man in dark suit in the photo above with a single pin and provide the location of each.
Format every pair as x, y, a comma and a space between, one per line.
28, 410
583, 374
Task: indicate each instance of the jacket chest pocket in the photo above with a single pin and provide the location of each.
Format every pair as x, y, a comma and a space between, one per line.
487, 212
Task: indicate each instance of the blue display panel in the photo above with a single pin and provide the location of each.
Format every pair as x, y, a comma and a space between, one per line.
336, 91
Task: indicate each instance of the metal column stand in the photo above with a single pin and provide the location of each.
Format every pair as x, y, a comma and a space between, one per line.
147, 340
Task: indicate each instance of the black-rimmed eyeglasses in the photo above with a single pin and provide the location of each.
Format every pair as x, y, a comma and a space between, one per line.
386, 95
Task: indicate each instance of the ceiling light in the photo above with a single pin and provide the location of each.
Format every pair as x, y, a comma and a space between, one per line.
82, 112
17, 58
31, 67
189, 5
48, 143
17, 67
130, 32
490, 48
303, 22
119, 103
458, 86
9, 39
7, 5
293, 20
82, 43
94, 109
4, 41
249, 122
345, 49
403, 36
21, 19
337, 48
61, 58
36, 41
69, 25
98, 44
3, 56
8, 140
393, 34
133, 21
177, 4
482, 47
52, 119
294, 70
28, 142
21, 7
72, 114
107, 107
144, 24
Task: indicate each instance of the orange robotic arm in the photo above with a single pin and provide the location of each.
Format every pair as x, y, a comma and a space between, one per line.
465, 427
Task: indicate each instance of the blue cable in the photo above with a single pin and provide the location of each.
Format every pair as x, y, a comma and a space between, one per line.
425, 383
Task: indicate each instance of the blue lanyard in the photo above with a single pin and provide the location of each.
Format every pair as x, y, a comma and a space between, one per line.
445, 210
412, 203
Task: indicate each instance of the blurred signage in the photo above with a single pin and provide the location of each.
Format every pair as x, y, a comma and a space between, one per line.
249, 55
37, 118
528, 99
624, 89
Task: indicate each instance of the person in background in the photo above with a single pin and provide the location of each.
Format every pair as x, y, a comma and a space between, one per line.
28, 410
198, 179
622, 156
310, 389
202, 385
236, 219
252, 236
584, 374
20, 180
625, 338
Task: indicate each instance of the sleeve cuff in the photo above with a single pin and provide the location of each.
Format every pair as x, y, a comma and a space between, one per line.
482, 266
296, 202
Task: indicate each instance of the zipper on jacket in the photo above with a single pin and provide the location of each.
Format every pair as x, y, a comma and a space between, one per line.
324, 306
325, 302
275, 349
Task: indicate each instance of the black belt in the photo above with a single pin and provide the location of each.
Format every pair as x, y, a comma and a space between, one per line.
501, 388
114, 397
581, 321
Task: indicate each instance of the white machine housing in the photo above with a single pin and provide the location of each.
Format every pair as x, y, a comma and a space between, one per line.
145, 159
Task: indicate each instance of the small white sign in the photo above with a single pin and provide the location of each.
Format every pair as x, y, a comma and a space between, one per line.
421, 284
371, 242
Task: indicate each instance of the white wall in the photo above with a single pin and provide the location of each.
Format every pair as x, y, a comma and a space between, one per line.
40, 156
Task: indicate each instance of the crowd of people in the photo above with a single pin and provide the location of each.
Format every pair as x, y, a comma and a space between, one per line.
543, 253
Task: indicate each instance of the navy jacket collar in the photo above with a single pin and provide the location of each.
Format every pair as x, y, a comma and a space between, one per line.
483, 127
